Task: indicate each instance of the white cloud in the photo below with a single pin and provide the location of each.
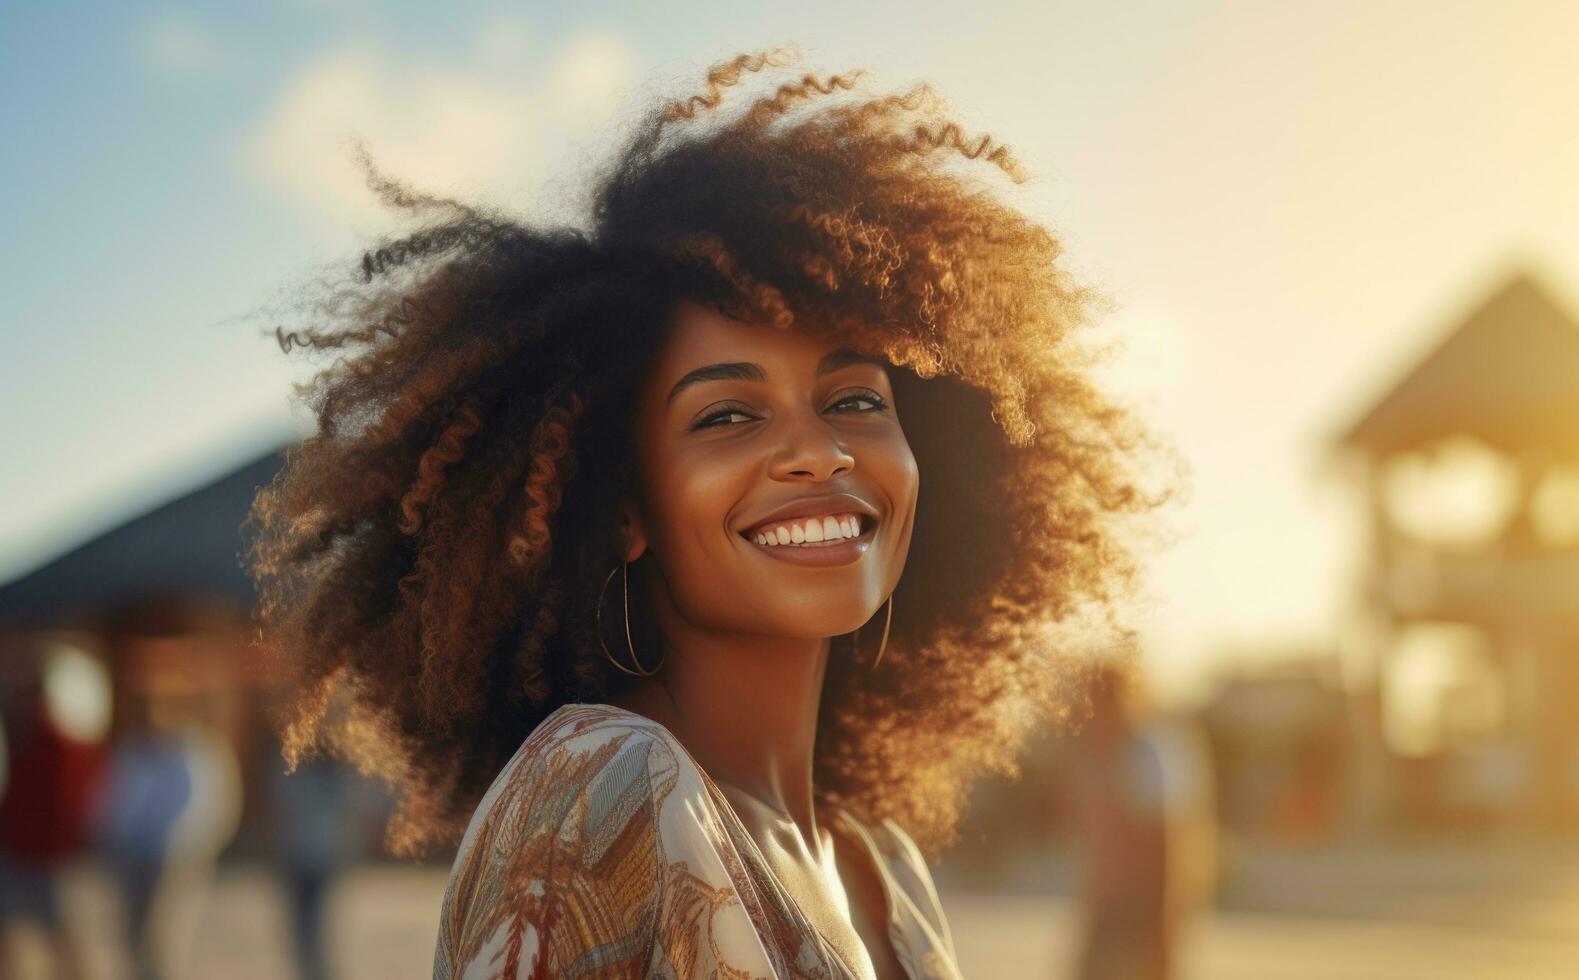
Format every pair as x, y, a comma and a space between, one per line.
489, 126
176, 44
503, 41
590, 73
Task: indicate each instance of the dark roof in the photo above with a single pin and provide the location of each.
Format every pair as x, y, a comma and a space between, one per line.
188, 548
1508, 374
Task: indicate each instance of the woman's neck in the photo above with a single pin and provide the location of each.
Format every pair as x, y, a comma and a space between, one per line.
746, 708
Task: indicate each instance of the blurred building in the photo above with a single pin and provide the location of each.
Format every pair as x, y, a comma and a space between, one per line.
159, 603
1280, 740
1467, 610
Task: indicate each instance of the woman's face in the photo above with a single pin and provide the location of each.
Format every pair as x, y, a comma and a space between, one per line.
745, 431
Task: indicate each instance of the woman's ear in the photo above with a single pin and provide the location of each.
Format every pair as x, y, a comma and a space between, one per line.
632, 531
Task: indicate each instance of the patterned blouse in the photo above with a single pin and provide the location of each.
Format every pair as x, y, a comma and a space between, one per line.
603, 850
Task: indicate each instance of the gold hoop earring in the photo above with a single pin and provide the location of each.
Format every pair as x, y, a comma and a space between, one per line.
887, 622
625, 580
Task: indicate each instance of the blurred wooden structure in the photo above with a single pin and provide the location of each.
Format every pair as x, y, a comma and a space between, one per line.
1505, 383
162, 602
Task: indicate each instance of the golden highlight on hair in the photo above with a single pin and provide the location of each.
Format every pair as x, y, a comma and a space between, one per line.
430, 557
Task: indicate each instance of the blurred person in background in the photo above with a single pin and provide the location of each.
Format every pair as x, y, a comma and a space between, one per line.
1146, 829
43, 813
317, 833
169, 802
1185, 794
313, 827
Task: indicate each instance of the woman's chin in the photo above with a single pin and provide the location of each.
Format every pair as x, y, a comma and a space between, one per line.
814, 618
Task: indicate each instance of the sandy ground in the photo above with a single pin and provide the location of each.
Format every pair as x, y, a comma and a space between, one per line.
1402, 911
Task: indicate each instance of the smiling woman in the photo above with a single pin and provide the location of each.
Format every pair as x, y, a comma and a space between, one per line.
689, 568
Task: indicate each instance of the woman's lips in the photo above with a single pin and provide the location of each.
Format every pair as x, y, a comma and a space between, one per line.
821, 553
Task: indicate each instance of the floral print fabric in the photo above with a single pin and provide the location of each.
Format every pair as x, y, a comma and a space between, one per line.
603, 850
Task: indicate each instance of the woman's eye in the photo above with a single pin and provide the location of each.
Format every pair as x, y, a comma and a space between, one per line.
875, 401
711, 421
724, 417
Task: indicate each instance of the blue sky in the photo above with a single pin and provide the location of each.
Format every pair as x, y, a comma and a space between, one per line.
136, 234
1287, 202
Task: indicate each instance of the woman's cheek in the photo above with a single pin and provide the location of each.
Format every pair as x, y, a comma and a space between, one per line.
695, 527
905, 483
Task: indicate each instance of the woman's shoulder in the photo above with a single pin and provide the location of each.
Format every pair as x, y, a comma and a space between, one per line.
580, 725
907, 870
903, 856
599, 751
594, 761
575, 808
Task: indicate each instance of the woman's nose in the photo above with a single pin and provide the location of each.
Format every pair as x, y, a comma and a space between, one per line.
809, 449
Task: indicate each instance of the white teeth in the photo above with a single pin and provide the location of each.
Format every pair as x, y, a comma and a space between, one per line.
812, 531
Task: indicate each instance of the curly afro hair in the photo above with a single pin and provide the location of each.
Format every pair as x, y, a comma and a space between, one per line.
429, 560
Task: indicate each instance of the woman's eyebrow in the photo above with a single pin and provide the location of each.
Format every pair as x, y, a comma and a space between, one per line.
746, 371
